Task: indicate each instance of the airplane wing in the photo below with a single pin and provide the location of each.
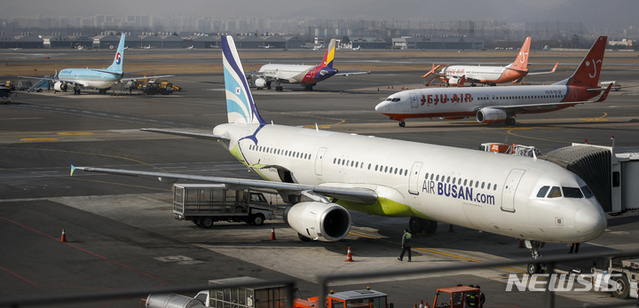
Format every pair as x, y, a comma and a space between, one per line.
360, 195
144, 77
537, 71
39, 78
184, 134
73, 82
351, 72
531, 107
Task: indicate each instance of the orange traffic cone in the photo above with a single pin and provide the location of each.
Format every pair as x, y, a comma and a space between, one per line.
349, 256
273, 234
63, 238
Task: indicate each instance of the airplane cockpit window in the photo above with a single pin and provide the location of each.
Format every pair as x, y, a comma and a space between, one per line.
396, 99
586, 191
389, 99
572, 192
542, 192
555, 192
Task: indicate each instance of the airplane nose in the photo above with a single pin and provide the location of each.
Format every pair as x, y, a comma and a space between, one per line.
383, 106
590, 221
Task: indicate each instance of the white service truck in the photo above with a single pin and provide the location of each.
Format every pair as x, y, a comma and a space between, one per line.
624, 271
204, 204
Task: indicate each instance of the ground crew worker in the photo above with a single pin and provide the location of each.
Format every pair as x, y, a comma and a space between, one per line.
575, 247
482, 297
405, 245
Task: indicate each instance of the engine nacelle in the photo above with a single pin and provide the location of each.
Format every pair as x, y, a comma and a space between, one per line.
60, 86
260, 83
490, 115
326, 222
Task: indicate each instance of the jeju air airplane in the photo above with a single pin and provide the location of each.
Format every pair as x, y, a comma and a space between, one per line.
489, 75
500, 104
521, 197
305, 75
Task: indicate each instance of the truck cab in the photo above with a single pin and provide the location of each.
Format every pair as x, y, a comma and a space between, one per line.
349, 299
455, 297
624, 272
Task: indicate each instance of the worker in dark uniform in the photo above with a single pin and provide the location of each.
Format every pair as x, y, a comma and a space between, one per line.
575, 247
405, 245
482, 297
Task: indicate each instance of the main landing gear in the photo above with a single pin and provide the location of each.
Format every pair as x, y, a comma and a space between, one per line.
402, 124
535, 267
510, 122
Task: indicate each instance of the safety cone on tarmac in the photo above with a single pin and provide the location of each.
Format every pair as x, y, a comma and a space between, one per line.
349, 256
63, 238
273, 234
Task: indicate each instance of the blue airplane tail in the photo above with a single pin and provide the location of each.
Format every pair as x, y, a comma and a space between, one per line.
240, 106
116, 66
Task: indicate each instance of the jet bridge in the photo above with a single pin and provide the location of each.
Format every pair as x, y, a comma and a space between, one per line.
611, 174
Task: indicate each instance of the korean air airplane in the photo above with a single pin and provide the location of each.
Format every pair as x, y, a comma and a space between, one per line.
501, 104
305, 75
101, 79
325, 174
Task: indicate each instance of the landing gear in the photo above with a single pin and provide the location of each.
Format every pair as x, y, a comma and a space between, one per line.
402, 124
268, 85
534, 247
418, 225
510, 122
309, 87
279, 88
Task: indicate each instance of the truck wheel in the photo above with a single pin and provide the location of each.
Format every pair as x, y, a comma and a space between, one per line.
623, 287
206, 222
258, 219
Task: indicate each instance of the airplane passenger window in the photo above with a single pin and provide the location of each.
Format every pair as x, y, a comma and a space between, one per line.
375, 167
586, 191
437, 179
454, 180
386, 169
395, 170
465, 181
426, 177
477, 184
448, 180
334, 160
488, 186
555, 192
356, 164
572, 192
495, 187
471, 183
431, 176
339, 161
352, 163
369, 166
482, 185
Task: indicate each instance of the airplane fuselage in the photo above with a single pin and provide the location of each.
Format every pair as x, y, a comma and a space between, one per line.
294, 73
466, 101
485, 191
481, 74
89, 78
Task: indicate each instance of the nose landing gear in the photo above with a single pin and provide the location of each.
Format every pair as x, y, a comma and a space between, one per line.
535, 267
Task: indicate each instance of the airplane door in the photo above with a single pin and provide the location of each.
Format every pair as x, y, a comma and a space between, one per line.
413, 178
318, 161
574, 95
510, 188
413, 100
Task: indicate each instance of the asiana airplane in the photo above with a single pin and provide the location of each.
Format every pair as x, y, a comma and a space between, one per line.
501, 104
520, 197
93, 78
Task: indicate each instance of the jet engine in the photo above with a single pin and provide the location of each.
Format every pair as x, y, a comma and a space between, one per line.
260, 83
326, 222
60, 86
490, 115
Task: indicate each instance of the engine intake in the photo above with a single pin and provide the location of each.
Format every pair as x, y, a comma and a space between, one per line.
60, 86
490, 115
260, 83
326, 222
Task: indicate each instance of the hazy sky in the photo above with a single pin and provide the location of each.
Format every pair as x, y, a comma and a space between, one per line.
599, 13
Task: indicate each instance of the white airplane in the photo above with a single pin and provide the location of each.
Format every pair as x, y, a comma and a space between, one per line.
500, 104
306, 75
318, 47
101, 79
490, 75
190, 47
358, 48
147, 47
520, 197
266, 46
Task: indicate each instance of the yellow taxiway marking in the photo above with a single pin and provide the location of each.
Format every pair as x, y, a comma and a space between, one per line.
601, 118
39, 139
75, 133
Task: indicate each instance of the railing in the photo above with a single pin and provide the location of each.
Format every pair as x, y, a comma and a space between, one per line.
323, 280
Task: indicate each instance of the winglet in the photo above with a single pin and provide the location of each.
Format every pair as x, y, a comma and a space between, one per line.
554, 68
605, 94
72, 167
462, 80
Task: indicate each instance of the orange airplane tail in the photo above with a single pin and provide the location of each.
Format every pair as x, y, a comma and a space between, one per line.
521, 62
587, 74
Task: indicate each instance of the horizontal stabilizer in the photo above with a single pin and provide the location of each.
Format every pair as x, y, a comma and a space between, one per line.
184, 134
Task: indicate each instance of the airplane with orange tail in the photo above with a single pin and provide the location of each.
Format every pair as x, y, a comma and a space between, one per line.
501, 104
490, 75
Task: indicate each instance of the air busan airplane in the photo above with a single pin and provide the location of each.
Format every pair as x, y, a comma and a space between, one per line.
306, 75
92, 78
501, 104
520, 197
490, 75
